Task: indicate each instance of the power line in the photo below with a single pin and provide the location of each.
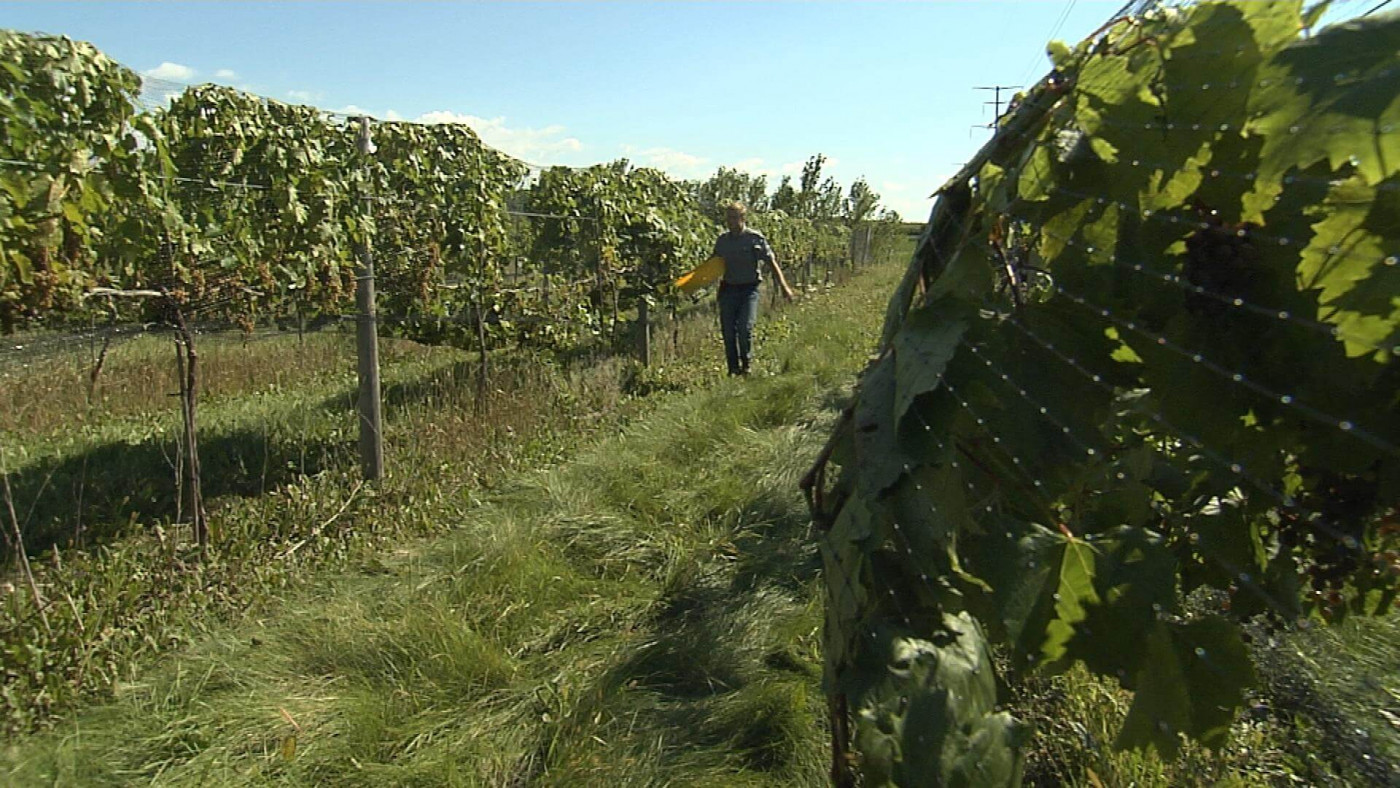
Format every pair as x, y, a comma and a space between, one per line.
1054, 30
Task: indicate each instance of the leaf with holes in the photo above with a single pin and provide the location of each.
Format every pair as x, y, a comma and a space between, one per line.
923, 348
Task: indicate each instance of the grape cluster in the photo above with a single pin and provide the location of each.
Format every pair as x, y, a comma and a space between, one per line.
1221, 260
1331, 559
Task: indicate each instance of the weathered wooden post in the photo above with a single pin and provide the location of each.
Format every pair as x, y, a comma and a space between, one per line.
367, 345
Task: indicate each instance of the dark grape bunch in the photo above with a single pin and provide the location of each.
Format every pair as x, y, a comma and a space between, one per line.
1222, 261
1334, 557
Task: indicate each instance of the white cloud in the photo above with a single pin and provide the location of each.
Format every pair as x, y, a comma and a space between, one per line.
225, 73
525, 143
304, 96
911, 200
173, 72
392, 115
676, 163
753, 166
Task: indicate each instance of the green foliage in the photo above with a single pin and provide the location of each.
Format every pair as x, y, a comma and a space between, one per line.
440, 227
730, 185
861, 202
1188, 383
243, 208
933, 712
264, 195
76, 188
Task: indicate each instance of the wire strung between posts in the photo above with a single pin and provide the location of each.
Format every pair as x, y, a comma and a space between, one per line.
1343, 78
1036, 483
1172, 126
1078, 87
1054, 30
1089, 449
1231, 569
1314, 519
954, 463
1037, 406
1209, 171
1283, 315
1348, 426
212, 184
216, 185
1196, 222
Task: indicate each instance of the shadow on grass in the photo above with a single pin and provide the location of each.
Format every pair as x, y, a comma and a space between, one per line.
100, 493
709, 672
104, 491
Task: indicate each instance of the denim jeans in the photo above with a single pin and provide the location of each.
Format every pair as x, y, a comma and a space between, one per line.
738, 309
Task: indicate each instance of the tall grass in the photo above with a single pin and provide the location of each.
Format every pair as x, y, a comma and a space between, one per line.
644, 612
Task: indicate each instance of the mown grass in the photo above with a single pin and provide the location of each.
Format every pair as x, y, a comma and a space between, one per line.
646, 612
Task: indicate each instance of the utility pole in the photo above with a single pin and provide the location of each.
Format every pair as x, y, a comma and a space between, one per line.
995, 102
367, 344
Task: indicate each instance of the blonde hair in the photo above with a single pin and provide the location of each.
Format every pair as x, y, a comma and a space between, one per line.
737, 207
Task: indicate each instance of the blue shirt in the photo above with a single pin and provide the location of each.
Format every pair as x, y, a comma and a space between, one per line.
743, 252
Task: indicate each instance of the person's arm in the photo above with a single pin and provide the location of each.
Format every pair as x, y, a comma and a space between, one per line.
778, 275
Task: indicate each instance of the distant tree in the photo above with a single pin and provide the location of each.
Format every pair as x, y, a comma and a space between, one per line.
726, 186
785, 198
861, 202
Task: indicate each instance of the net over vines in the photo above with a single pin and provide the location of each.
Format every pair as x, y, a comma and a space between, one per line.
1145, 354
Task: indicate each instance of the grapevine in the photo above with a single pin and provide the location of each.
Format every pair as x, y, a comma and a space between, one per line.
1198, 395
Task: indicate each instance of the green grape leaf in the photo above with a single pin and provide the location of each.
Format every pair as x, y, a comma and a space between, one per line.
1209, 72
922, 349
1136, 581
1191, 682
928, 716
1036, 178
843, 556
900, 300
1041, 584
1331, 98
1347, 263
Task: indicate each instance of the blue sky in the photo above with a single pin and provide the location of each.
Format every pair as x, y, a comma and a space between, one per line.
884, 89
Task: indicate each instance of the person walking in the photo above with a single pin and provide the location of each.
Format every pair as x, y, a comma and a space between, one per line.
745, 252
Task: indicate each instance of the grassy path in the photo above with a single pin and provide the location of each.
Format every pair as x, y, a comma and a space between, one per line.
646, 612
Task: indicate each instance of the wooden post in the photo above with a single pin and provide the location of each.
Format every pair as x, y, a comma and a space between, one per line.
187, 362
675, 332
644, 331
367, 349
16, 543
612, 335
483, 386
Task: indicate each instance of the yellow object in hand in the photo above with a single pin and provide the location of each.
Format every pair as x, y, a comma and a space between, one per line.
705, 274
